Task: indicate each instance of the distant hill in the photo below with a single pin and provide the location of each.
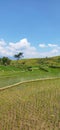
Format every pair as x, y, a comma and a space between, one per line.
34, 62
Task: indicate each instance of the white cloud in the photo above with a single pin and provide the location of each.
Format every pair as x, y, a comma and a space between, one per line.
28, 50
42, 45
21, 44
49, 45
13, 48
50, 49
55, 51
52, 45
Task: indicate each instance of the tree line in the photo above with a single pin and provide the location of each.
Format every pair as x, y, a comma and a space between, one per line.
6, 61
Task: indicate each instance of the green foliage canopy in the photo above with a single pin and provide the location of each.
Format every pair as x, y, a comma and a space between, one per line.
18, 56
5, 61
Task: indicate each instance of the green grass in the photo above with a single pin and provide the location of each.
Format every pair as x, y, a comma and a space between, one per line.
31, 106
8, 68
18, 71
37, 61
12, 77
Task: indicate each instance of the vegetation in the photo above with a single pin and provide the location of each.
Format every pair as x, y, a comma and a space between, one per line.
32, 63
28, 69
31, 106
11, 75
5, 61
18, 56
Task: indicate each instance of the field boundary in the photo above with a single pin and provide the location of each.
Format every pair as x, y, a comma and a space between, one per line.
16, 84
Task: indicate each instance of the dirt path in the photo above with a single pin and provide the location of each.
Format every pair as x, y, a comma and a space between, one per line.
28, 82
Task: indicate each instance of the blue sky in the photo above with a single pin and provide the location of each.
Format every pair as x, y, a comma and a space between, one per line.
31, 26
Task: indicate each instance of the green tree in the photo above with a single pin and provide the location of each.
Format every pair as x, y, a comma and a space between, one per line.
0, 60
5, 61
18, 56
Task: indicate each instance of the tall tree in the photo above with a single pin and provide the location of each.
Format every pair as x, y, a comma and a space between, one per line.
18, 56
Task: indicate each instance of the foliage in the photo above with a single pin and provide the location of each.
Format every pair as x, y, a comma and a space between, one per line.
29, 68
18, 56
43, 68
5, 61
54, 66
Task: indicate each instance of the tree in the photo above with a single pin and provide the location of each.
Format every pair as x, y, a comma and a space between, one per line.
18, 56
5, 61
0, 60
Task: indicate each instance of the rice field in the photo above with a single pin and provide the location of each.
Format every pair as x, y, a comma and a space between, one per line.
11, 77
31, 106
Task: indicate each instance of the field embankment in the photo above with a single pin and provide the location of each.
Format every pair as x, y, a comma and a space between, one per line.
11, 77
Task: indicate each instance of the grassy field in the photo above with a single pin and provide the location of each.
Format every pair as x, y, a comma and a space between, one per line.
31, 106
29, 69
11, 77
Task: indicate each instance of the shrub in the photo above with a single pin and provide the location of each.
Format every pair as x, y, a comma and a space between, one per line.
29, 68
42, 68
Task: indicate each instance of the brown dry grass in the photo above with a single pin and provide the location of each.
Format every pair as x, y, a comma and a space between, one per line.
31, 106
